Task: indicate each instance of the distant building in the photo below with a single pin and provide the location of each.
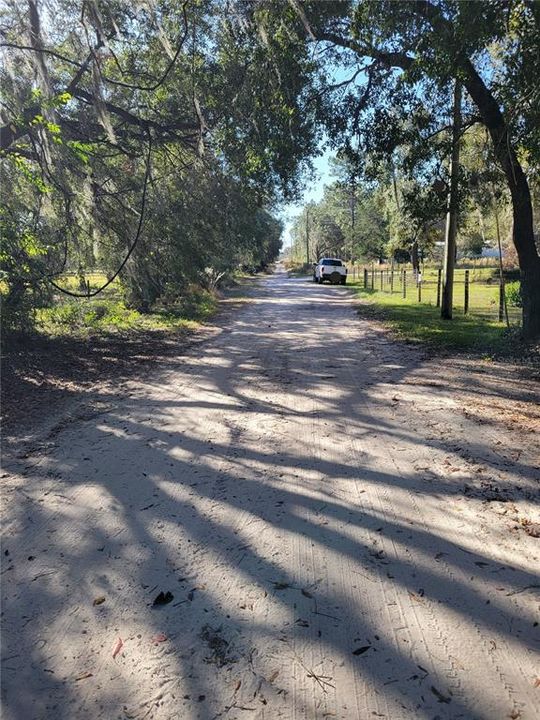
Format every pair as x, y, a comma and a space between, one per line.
487, 252
490, 252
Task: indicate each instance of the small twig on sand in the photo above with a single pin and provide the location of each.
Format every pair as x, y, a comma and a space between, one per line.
523, 589
321, 680
316, 612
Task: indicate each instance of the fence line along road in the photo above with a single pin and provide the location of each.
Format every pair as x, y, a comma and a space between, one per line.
477, 291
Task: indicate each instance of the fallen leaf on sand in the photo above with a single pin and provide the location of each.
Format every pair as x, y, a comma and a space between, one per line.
99, 600
273, 676
361, 650
440, 697
159, 638
163, 598
306, 593
83, 676
537, 682
119, 645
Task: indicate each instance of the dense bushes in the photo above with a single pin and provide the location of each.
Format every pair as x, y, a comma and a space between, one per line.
513, 294
81, 317
199, 228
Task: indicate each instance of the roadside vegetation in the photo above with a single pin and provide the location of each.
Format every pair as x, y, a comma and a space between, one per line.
372, 224
416, 318
148, 149
132, 193
80, 317
421, 323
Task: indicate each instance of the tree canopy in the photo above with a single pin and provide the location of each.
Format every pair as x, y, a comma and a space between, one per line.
136, 140
397, 65
134, 134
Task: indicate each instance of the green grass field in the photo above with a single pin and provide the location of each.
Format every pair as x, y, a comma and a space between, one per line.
82, 317
71, 282
483, 290
420, 322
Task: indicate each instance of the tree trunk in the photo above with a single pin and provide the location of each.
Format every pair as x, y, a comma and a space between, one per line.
530, 293
415, 261
523, 234
452, 215
307, 235
493, 119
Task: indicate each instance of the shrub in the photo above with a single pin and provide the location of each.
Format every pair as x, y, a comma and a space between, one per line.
87, 315
513, 294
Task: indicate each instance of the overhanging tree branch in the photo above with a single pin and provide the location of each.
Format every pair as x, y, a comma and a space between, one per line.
390, 59
133, 244
161, 80
45, 51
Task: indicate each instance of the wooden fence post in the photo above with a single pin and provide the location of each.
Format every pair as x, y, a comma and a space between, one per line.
466, 303
365, 278
404, 283
439, 278
391, 281
372, 277
501, 301
382, 271
420, 290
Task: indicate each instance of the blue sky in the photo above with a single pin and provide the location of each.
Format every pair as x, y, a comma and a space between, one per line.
313, 193
315, 188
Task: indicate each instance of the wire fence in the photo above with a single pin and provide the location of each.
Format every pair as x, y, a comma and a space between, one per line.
477, 292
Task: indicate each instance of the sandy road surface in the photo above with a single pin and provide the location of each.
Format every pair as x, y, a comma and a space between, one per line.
342, 531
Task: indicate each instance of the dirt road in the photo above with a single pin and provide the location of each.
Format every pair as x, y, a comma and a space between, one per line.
342, 528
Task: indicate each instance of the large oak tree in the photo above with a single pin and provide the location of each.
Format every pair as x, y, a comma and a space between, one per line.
392, 65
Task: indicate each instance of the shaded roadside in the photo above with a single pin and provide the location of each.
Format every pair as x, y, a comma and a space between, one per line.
41, 374
341, 520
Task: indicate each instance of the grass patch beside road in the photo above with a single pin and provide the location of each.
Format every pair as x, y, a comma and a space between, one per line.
299, 269
422, 323
82, 317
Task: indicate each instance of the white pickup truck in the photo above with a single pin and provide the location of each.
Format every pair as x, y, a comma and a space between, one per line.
331, 269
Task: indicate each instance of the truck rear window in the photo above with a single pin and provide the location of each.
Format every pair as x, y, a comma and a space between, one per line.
333, 263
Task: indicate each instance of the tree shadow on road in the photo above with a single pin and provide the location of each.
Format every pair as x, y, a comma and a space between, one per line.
291, 530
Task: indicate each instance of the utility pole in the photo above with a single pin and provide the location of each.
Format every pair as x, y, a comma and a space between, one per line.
452, 214
307, 235
501, 274
353, 213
